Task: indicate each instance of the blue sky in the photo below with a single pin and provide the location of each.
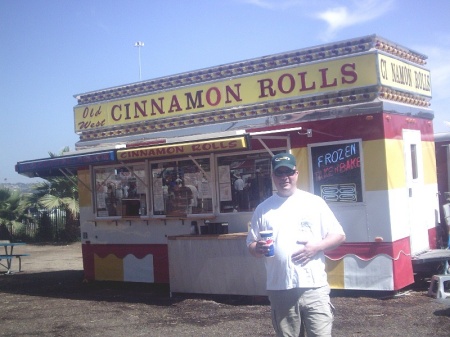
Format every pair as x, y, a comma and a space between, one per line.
52, 50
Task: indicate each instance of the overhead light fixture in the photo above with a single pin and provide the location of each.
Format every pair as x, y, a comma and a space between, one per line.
274, 131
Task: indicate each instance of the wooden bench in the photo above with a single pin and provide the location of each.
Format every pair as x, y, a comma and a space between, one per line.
17, 256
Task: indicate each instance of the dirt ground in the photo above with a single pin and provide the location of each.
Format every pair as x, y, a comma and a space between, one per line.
49, 298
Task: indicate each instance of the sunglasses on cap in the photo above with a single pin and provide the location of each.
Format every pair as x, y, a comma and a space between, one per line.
287, 173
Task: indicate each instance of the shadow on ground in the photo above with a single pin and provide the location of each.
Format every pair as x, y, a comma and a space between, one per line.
150, 307
70, 284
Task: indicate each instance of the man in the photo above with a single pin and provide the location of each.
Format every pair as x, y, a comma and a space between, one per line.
303, 228
239, 190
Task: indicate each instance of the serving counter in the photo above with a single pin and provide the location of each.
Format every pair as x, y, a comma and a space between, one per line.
214, 264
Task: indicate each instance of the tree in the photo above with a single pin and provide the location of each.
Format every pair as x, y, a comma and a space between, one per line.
11, 213
58, 192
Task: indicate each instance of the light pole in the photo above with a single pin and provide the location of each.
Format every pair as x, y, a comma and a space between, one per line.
139, 44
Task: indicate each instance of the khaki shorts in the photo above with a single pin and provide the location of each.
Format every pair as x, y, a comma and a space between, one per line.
312, 305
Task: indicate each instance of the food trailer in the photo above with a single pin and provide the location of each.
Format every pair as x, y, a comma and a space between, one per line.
158, 164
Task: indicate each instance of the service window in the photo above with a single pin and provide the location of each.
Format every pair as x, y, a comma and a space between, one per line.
244, 181
182, 187
336, 171
120, 191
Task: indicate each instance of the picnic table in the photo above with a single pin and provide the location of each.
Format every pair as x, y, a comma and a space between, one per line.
9, 255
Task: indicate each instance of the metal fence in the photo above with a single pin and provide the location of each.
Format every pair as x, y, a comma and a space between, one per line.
48, 225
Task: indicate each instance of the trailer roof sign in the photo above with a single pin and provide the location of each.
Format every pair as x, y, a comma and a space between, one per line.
301, 81
205, 146
404, 76
322, 77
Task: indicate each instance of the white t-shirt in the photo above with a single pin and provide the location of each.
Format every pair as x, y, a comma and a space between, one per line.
239, 184
301, 217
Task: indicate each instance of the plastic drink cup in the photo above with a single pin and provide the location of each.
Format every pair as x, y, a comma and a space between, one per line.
268, 237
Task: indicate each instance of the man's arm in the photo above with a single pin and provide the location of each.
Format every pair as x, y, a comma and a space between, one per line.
332, 240
303, 256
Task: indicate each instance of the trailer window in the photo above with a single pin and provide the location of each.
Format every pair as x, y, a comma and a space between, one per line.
120, 191
244, 181
181, 187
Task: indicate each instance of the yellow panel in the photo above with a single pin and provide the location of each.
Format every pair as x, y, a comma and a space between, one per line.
301, 156
83, 193
109, 268
384, 164
375, 165
335, 272
396, 163
429, 163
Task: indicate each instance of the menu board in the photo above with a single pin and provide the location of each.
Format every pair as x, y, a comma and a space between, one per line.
336, 171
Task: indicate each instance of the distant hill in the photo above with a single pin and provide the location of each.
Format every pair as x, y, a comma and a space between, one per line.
24, 188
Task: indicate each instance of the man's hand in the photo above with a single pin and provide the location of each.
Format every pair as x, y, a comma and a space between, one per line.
258, 248
309, 250
305, 253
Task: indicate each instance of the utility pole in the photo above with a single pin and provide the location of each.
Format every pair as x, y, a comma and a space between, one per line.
139, 44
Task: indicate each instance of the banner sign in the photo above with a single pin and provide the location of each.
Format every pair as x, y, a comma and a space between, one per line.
306, 80
301, 81
198, 147
403, 76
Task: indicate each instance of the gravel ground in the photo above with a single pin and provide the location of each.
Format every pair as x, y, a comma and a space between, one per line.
49, 298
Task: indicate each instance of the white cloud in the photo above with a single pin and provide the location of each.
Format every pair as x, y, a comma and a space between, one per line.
275, 4
357, 12
260, 3
337, 14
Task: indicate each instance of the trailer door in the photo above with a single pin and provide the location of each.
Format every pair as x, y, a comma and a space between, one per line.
415, 185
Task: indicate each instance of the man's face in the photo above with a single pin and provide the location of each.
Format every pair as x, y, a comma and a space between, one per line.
285, 180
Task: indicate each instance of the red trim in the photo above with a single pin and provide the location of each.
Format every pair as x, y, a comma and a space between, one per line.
433, 239
159, 252
403, 270
368, 250
394, 124
399, 251
379, 125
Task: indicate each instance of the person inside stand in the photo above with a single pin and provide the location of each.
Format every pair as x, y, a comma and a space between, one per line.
132, 193
303, 228
111, 202
253, 188
239, 189
193, 203
182, 197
